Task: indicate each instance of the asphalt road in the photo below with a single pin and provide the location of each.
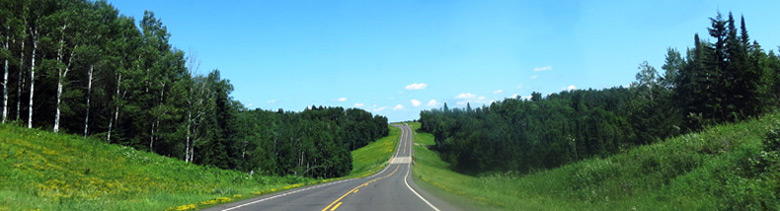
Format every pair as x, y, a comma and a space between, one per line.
390, 189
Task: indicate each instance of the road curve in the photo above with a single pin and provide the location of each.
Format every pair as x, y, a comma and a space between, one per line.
390, 189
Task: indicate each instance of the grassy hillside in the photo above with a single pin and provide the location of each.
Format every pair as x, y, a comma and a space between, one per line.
724, 167
47, 171
374, 156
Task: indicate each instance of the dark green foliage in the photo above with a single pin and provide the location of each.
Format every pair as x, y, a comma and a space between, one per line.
767, 162
723, 81
728, 80
113, 79
754, 181
521, 135
316, 142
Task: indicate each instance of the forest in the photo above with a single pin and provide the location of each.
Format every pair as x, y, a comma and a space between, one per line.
80, 67
730, 78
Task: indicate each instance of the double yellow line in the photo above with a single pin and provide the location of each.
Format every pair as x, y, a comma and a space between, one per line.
335, 205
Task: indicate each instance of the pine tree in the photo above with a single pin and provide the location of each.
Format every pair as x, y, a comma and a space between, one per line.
672, 67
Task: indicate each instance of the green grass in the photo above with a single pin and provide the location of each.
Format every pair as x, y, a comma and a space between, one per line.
47, 171
373, 157
701, 171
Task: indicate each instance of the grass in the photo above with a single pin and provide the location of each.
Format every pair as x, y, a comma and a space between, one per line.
373, 157
45, 171
710, 170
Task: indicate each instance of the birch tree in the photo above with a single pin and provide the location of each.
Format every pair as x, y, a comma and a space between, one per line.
96, 26
34, 36
64, 67
5, 53
90, 56
38, 13
194, 102
124, 48
10, 28
20, 79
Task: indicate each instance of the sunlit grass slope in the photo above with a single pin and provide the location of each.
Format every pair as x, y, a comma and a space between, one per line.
722, 168
374, 156
47, 171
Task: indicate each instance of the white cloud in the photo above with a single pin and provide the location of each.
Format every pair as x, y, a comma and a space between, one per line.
380, 109
416, 102
271, 101
540, 69
498, 91
342, 99
432, 103
398, 107
416, 86
520, 86
570, 87
358, 105
250, 105
534, 77
465, 96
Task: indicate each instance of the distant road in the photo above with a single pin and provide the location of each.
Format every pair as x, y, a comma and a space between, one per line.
390, 189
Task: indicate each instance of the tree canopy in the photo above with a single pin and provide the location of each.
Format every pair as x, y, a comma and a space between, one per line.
729, 80
77, 66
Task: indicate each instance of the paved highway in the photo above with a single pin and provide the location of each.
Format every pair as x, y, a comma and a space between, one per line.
390, 189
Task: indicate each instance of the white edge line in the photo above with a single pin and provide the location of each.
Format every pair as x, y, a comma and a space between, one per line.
409, 169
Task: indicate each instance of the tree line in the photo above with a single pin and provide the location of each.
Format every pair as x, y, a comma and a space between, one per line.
316, 142
78, 66
729, 79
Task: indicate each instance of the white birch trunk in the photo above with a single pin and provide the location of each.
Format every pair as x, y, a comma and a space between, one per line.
60, 87
192, 66
89, 93
156, 123
151, 139
59, 83
32, 79
21, 83
62, 77
5, 81
116, 108
57, 112
192, 151
187, 143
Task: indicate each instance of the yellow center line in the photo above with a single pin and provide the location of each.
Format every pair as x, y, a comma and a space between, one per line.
338, 202
335, 207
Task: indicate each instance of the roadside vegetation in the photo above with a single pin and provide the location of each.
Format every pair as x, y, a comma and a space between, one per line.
701, 136
48, 171
725, 78
81, 67
374, 156
732, 166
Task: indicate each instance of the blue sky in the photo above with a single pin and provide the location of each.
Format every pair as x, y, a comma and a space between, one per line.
395, 58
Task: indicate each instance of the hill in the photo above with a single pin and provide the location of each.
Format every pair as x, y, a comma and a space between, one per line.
48, 171
730, 166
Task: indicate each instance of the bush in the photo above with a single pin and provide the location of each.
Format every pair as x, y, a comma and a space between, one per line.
772, 140
757, 187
